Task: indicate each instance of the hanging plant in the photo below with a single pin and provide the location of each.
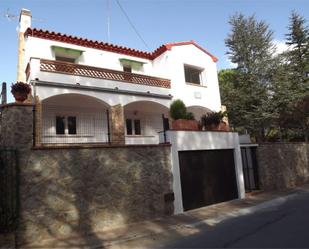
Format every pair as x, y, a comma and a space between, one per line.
20, 91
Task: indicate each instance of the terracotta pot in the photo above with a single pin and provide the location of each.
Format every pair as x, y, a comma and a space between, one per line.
222, 126
20, 97
184, 124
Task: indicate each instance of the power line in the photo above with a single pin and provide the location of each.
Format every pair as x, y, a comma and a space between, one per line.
132, 25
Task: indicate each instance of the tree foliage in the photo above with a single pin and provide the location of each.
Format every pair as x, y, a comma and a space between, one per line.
267, 94
250, 47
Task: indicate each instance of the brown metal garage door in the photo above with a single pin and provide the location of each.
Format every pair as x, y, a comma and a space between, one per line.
207, 177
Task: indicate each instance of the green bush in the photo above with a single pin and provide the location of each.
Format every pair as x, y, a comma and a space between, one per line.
190, 116
178, 110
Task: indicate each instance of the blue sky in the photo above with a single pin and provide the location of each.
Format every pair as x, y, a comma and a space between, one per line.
158, 22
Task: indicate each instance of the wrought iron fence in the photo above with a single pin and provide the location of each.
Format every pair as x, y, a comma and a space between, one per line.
9, 201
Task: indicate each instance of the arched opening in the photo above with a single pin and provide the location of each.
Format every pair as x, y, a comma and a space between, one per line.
198, 111
144, 122
74, 119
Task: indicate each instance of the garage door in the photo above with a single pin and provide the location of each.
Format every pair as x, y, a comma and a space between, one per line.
207, 177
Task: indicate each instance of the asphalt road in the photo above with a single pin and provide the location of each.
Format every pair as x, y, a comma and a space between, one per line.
283, 225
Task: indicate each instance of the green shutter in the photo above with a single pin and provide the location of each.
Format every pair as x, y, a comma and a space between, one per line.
67, 51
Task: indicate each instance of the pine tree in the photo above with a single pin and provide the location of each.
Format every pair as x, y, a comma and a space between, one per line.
250, 47
298, 56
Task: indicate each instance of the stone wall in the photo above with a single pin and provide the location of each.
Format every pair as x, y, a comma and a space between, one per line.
283, 165
68, 192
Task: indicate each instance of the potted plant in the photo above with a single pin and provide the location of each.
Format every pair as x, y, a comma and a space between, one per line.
213, 121
20, 91
182, 120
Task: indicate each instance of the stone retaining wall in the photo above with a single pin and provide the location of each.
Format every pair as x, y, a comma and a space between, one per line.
78, 192
283, 165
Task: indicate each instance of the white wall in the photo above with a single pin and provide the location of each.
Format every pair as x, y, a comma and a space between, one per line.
192, 140
169, 65
207, 95
41, 48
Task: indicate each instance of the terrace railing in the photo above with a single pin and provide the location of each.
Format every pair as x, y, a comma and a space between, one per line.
101, 73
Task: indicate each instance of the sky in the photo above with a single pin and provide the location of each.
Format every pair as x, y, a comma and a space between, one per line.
157, 21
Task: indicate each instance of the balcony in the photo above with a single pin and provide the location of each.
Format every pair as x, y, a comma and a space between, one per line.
101, 73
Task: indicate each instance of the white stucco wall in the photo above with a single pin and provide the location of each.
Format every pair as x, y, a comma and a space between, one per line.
192, 140
208, 94
169, 65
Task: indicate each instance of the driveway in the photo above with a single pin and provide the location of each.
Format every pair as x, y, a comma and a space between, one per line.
282, 223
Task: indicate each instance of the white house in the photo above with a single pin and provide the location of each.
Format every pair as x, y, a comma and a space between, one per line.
91, 93
89, 89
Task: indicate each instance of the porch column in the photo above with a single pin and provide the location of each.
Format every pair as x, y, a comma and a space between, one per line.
117, 125
38, 121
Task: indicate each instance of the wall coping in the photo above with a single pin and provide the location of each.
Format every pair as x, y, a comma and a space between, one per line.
275, 143
16, 104
96, 146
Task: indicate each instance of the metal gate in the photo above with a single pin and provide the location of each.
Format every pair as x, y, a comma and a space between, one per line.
8, 190
250, 168
207, 177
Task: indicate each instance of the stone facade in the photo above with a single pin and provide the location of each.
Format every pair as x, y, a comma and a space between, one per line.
67, 192
283, 165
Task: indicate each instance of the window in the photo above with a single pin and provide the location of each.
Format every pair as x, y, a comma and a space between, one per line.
137, 127
72, 125
127, 69
133, 127
193, 75
60, 125
65, 59
66, 125
129, 126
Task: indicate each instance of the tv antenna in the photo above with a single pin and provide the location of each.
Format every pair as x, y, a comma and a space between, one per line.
11, 17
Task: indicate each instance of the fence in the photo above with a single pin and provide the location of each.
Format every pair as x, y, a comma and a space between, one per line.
8, 190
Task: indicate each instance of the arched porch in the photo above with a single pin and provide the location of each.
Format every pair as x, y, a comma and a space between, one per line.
74, 119
143, 121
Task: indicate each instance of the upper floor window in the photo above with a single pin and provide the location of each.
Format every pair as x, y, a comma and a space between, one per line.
129, 65
65, 59
193, 75
66, 54
127, 69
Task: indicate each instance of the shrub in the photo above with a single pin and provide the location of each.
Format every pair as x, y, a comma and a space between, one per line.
212, 118
178, 110
190, 116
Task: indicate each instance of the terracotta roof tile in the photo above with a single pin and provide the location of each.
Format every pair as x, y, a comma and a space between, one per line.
50, 35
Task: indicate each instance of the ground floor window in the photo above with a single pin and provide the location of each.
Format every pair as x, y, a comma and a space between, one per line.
133, 126
66, 125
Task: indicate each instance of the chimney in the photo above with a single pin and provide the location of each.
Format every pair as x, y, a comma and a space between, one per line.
24, 23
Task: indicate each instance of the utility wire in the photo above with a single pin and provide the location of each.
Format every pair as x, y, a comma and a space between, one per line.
132, 25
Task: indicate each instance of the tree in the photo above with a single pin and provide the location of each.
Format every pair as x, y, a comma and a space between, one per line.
298, 56
250, 47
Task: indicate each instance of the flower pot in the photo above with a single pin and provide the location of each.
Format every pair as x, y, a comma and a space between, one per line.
20, 97
222, 126
184, 124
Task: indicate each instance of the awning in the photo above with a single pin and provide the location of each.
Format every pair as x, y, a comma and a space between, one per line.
74, 53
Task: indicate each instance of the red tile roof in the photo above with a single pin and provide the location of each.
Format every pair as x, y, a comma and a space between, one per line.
49, 35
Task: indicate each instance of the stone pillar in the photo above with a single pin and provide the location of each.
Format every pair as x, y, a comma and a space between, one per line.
117, 125
17, 126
